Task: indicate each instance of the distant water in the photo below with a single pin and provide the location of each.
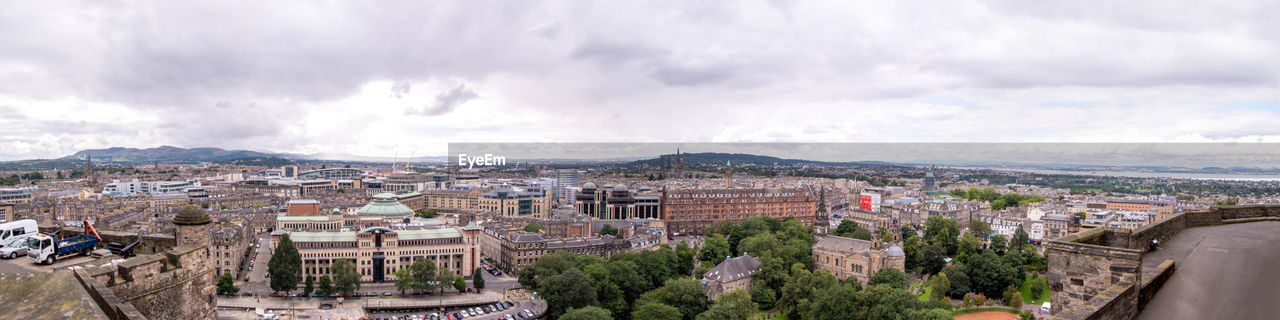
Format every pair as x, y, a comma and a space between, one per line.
1144, 174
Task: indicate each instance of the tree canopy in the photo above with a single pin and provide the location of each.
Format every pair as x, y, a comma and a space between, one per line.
285, 266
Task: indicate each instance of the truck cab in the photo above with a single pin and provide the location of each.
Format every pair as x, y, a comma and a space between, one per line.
40, 248
43, 248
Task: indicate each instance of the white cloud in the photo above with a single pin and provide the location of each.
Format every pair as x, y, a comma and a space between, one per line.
338, 78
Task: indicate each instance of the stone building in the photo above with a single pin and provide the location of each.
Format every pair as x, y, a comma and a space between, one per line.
731, 274
451, 200
509, 201
512, 251
848, 258
229, 243
690, 211
617, 202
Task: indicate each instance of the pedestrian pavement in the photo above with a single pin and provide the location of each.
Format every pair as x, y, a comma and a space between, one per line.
277, 303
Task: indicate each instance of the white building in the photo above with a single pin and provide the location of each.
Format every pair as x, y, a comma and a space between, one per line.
148, 187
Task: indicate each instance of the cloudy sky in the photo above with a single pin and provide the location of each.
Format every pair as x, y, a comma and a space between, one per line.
363, 78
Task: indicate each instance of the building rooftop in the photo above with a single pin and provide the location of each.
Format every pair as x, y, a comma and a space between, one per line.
733, 269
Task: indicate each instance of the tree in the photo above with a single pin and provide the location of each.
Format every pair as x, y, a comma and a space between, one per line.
999, 244
957, 274
846, 228
1020, 238
532, 227
608, 230
834, 302
477, 280
988, 275
226, 284
1016, 301
1037, 288
885, 235
979, 228
933, 258
460, 284
423, 275
656, 311
715, 250
762, 295
404, 280
444, 278
427, 213
969, 245
940, 285
325, 286
682, 293
685, 256
732, 305
890, 276
759, 244
285, 266
587, 313
721, 227
567, 290
942, 231
308, 286
345, 278
861, 234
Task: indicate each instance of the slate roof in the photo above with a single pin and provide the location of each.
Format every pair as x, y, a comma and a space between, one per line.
842, 244
734, 268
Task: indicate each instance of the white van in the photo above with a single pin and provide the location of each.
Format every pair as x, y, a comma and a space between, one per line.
14, 234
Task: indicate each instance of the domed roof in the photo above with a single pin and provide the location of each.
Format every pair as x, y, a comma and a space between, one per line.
620, 187
191, 215
382, 206
896, 251
589, 185
336, 212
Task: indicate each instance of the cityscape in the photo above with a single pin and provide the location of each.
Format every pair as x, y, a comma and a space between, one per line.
759, 160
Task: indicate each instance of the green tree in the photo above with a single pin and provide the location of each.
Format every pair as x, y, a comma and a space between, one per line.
847, 228
656, 311
684, 294
957, 274
444, 278
685, 256
477, 279
1037, 288
933, 258
587, 313
427, 213
308, 286
532, 227
404, 280
999, 244
732, 305
861, 234
834, 302
988, 275
1020, 238
423, 275
345, 278
969, 245
890, 276
762, 295
1016, 301
714, 250
285, 266
979, 228
227, 285
939, 286
942, 231
721, 227
325, 285
608, 230
459, 284
569, 289
759, 244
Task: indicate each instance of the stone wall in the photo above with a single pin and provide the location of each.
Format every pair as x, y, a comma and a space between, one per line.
1161, 230
107, 300
1080, 272
1154, 281
1115, 302
177, 284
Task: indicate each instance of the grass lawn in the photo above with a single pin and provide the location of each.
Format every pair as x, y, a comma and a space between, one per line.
924, 295
1025, 288
776, 316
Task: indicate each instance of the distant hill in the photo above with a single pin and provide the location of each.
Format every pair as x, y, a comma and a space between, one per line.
135, 156
166, 154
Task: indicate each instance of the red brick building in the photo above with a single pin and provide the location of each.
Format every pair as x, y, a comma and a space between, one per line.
690, 211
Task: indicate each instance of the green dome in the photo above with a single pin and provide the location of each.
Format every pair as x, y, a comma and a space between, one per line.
383, 206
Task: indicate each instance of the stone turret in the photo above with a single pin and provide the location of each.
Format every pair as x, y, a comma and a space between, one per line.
191, 226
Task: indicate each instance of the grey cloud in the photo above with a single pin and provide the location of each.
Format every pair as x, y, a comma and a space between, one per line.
447, 101
693, 76
12, 113
612, 53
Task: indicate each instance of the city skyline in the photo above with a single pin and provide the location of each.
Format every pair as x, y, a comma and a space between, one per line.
343, 80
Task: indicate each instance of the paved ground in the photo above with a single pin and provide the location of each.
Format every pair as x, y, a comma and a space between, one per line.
1223, 272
